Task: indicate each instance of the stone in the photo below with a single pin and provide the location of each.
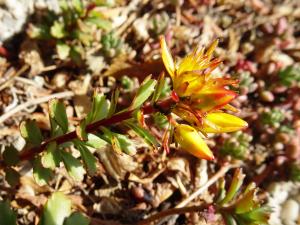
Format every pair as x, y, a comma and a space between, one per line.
290, 211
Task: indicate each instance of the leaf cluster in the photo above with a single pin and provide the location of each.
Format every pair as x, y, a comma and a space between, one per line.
241, 207
73, 30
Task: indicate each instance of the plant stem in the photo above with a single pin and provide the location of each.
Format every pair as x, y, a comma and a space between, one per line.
220, 173
173, 211
165, 105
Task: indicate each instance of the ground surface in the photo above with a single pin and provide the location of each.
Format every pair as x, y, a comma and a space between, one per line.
259, 45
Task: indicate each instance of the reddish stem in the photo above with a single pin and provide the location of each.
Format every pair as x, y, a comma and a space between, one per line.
166, 104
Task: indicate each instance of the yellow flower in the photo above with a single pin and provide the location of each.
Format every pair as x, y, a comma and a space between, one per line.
201, 98
191, 141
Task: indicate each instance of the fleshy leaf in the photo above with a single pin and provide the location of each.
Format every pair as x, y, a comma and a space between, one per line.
63, 50
113, 102
12, 176
119, 142
73, 166
51, 158
7, 215
41, 175
58, 30
57, 111
78, 5
56, 210
143, 133
31, 132
247, 203
95, 141
143, 93
100, 108
261, 215
11, 156
159, 87
236, 183
77, 219
101, 23
88, 158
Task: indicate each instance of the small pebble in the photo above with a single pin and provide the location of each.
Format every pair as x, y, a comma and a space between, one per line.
267, 96
290, 211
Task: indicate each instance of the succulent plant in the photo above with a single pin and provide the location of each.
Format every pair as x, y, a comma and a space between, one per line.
272, 117
237, 145
289, 75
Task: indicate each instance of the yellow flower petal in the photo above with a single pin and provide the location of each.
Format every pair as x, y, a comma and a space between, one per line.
167, 57
191, 141
222, 122
212, 48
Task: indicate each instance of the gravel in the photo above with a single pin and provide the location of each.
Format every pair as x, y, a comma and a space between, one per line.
14, 13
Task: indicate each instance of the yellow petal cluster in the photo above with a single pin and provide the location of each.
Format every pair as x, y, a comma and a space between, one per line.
202, 99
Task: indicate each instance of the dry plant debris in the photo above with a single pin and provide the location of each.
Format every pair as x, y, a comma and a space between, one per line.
80, 57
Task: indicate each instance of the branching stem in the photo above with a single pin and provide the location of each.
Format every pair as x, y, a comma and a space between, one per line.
173, 211
28, 154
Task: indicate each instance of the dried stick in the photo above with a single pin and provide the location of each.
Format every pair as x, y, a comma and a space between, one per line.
36, 101
173, 211
16, 74
180, 208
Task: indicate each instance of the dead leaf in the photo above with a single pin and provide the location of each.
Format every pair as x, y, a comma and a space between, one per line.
116, 165
30, 53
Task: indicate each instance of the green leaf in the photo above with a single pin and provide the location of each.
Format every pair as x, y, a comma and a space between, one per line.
7, 216
99, 22
260, 215
235, 185
75, 55
57, 111
51, 158
89, 159
120, 142
143, 133
73, 166
100, 108
63, 50
247, 203
38, 31
95, 141
159, 88
57, 209
113, 102
143, 93
289, 75
31, 132
12, 176
78, 5
57, 30
77, 219
55, 128
229, 220
11, 156
41, 175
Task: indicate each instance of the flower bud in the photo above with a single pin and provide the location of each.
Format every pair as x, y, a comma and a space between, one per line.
191, 141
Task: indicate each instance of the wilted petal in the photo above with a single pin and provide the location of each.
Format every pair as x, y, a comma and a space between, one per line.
222, 122
191, 141
167, 57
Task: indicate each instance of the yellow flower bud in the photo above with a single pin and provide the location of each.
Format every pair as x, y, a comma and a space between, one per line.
191, 141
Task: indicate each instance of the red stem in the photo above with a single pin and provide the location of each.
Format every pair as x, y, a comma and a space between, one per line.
166, 104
